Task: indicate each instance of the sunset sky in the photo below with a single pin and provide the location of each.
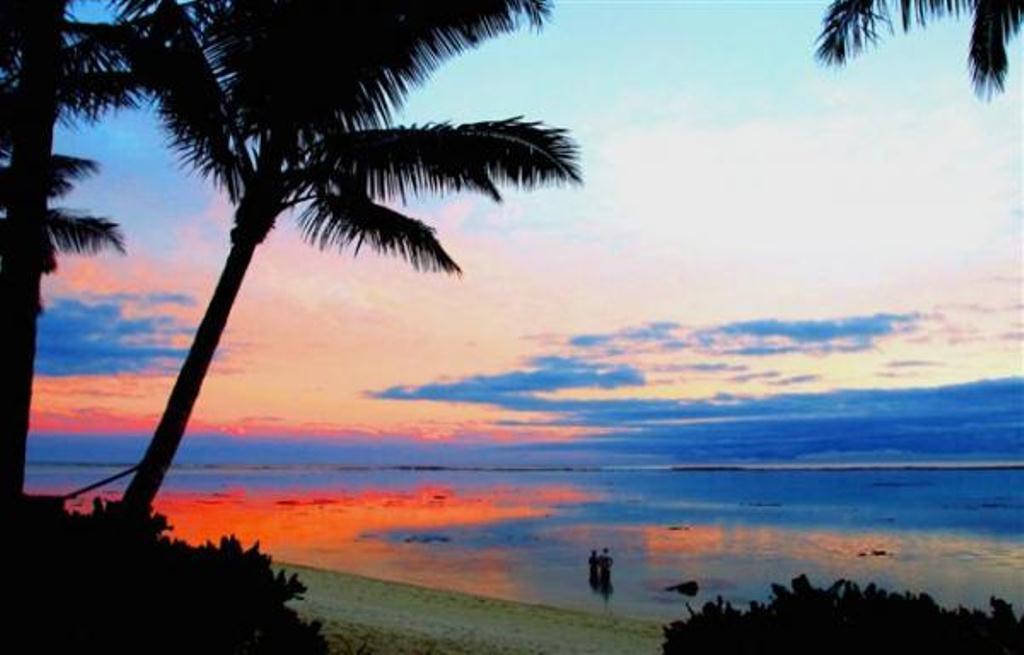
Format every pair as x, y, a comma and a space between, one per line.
757, 237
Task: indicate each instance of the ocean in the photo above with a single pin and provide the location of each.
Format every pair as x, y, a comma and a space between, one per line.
526, 534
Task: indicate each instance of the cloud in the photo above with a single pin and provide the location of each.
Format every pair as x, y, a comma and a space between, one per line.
656, 331
977, 420
911, 363
145, 299
795, 379
791, 163
774, 337
701, 367
980, 417
858, 327
747, 377
837, 438
590, 340
661, 334
521, 391
96, 337
996, 399
545, 375
756, 338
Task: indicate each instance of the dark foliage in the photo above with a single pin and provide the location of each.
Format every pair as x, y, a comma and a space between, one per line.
64, 231
851, 26
104, 582
844, 619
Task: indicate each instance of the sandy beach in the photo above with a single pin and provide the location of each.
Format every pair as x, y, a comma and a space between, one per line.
391, 618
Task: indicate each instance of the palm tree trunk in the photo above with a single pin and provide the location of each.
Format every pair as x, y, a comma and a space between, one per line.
21, 301
22, 266
169, 432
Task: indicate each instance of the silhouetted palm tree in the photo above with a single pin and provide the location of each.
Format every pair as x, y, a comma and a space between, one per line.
286, 105
852, 25
63, 230
52, 68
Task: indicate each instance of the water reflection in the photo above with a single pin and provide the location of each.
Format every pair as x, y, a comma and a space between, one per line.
954, 568
527, 537
403, 535
439, 537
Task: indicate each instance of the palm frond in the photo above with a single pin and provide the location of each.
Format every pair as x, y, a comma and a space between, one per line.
6, 120
172, 61
89, 95
995, 23
391, 164
82, 235
96, 47
352, 220
921, 11
10, 52
302, 60
134, 8
96, 69
64, 171
849, 27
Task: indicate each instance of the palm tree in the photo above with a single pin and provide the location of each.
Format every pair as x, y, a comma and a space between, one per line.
286, 105
52, 67
63, 231
852, 25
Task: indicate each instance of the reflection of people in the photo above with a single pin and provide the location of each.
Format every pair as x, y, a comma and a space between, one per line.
595, 578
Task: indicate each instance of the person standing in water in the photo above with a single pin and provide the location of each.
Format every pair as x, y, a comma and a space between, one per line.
604, 565
595, 576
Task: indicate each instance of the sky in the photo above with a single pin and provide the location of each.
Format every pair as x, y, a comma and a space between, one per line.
768, 259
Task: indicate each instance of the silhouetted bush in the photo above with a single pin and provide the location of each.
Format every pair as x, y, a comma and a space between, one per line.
843, 620
109, 583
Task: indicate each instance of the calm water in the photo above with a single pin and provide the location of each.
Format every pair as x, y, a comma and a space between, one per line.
959, 535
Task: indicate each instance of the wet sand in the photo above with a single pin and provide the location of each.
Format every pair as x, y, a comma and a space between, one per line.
392, 618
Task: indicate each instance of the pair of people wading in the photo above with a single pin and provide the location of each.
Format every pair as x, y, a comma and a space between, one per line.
601, 572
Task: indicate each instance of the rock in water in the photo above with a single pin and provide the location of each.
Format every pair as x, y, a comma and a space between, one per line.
688, 588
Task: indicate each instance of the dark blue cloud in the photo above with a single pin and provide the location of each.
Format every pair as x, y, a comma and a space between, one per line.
747, 377
768, 337
795, 379
758, 338
714, 367
662, 334
656, 331
865, 437
760, 351
911, 363
980, 421
993, 399
700, 367
522, 391
982, 417
856, 327
96, 338
590, 340
155, 298
546, 374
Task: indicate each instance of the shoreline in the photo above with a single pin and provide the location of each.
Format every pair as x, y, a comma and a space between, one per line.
397, 618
